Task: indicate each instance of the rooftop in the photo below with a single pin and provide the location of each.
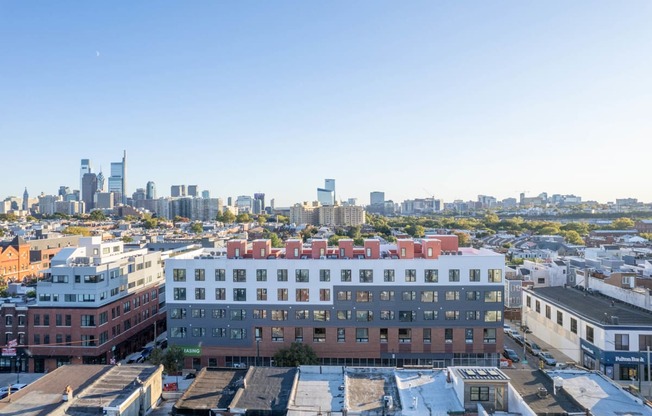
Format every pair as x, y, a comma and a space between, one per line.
318, 389
214, 388
367, 387
267, 388
594, 307
426, 393
527, 383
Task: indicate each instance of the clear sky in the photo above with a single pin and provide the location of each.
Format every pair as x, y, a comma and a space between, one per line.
417, 98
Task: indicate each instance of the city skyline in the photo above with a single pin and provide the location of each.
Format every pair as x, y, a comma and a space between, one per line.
415, 100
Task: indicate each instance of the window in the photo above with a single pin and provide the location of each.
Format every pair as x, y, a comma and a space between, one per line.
341, 335
198, 332
343, 315
178, 332
454, 275
474, 275
239, 275
452, 315
410, 275
88, 320
343, 295
177, 313
198, 312
384, 335
302, 295
448, 335
386, 315
480, 393
277, 333
589, 333
302, 314
324, 295
404, 335
324, 275
429, 315
279, 315
407, 316
261, 294
321, 315
88, 340
386, 295
240, 295
473, 295
179, 275
388, 275
220, 293
282, 294
179, 293
298, 334
238, 314
489, 335
452, 295
364, 296
366, 276
537, 306
548, 312
622, 342
219, 313
282, 275
429, 296
495, 275
302, 275
319, 335
573, 325
200, 293
528, 301
260, 313
431, 275
427, 337
219, 332
493, 296
261, 275
472, 315
200, 275
238, 333
409, 295
364, 316
493, 316
346, 275
468, 335
362, 335
220, 275
644, 341
560, 318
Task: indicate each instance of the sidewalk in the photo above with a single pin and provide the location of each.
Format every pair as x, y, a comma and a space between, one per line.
7, 379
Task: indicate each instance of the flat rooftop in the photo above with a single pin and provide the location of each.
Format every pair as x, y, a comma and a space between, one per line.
593, 306
426, 393
267, 388
214, 388
366, 388
527, 383
318, 389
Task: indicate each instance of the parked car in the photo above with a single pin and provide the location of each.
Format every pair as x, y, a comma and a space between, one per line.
4, 392
547, 358
519, 339
533, 347
146, 352
513, 333
511, 354
507, 329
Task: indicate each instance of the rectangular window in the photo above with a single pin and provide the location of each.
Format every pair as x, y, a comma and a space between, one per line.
261, 294
179, 293
282, 275
341, 335
407, 316
528, 301
343, 315
324, 295
431, 275
472, 315
238, 314
474, 275
302, 276
410, 275
473, 295
493, 296
87, 320
622, 342
238, 333
468, 335
537, 306
298, 334
239, 295
404, 335
364, 316
219, 332
302, 295
452, 315
198, 312
239, 275
220, 275
261, 275
346, 275
386, 315
220, 293
324, 275
589, 333
644, 341
480, 393
427, 336
219, 313
198, 332
200, 275
454, 275
282, 295
366, 276
343, 295
277, 333
387, 295
321, 315
279, 315
452, 295
573, 325
560, 318
319, 335
409, 295
548, 312
364, 296
362, 335
429, 296
384, 335
493, 316
489, 335
302, 314
200, 293
448, 335
58, 319
260, 313
179, 275
388, 275
429, 315
495, 275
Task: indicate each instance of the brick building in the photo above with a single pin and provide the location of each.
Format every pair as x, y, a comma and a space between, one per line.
14, 261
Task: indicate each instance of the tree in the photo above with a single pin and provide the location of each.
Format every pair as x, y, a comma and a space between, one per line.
275, 240
415, 230
228, 217
295, 355
171, 358
242, 218
262, 219
30, 218
197, 228
573, 237
464, 240
150, 223
127, 239
74, 230
354, 232
622, 224
97, 215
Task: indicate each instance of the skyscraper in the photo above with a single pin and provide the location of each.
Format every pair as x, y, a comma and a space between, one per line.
89, 188
192, 190
100, 181
330, 185
151, 190
25, 200
85, 168
118, 179
259, 203
177, 191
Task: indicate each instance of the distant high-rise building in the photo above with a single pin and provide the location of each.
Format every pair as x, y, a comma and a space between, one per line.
259, 203
330, 185
205, 194
64, 190
192, 191
85, 168
100, 181
376, 197
229, 201
25, 200
151, 190
244, 204
272, 203
325, 196
177, 191
89, 188
139, 195
118, 179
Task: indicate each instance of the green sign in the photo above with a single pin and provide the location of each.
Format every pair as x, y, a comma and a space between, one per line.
189, 351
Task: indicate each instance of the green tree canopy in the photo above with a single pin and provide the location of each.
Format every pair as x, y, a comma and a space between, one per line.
295, 355
464, 240
197, 228
243, 218
97, 215
75, 230
171, 358
227, 217
622, 224
275, 240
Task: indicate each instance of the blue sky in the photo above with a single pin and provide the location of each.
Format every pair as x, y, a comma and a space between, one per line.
444, 98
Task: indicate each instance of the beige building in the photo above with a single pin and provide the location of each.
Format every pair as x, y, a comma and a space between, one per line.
317, 214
